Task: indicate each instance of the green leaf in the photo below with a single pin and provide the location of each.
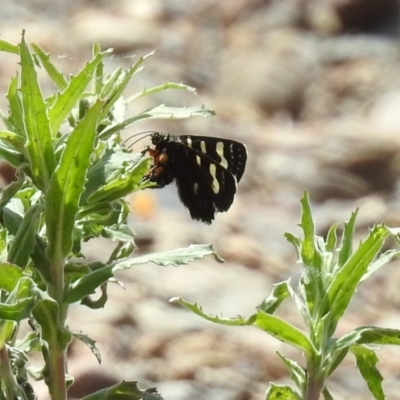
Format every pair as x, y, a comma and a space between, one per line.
346, 247
47, 314
307, 224
382, 260
297, 373
87, 285
165, 112
173, 257
160, 112
39, 144
15, 120
8, 47
6, 331
295, 241
124, 236
366, 363
99, 302
10, 191
331, 238
56, 76
119, 86
29, 343
280, 392
90, 343
16, 141
333, 359
24, 241
327, 395
71, 94
345, 282
9, 276
279, 293
121, 391
284, 332
19, 302
160, 88
115, 175
369, 335
67, 184
237, 321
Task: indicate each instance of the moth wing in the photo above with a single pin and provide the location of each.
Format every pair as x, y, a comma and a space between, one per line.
228, 153
204, 186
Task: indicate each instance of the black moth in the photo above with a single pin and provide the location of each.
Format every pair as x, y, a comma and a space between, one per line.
206, 170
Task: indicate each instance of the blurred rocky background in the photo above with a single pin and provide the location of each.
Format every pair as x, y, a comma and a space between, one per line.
313, 89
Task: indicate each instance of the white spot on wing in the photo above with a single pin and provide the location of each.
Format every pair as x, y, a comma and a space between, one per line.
220, 152
215, 183
203, 146
198, 160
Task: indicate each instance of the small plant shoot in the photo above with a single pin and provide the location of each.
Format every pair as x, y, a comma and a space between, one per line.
332, 270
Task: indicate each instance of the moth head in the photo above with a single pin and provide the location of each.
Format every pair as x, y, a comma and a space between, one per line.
158, 138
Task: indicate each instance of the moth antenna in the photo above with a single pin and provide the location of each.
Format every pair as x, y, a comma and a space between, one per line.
143, 135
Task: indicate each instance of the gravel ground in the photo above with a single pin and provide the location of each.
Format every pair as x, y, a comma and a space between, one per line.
313, 89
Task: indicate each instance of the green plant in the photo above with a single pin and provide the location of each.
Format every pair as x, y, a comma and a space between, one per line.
73, 173
332, 271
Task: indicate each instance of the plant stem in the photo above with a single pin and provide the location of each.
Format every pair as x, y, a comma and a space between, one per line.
56, 384
314, 389
57, 352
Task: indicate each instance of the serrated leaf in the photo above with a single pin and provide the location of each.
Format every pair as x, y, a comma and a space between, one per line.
160, 112
366, 364
87, 285
120, 391
39, 145
279, 293
124, 236
382, 260
71, 94
236, 321
165, 112
90, 343
284, 332
297, 373
160, 88
56, 76
345, 282
15, 120
67, 184
369, 335
99, 302
116, 90
173, 257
